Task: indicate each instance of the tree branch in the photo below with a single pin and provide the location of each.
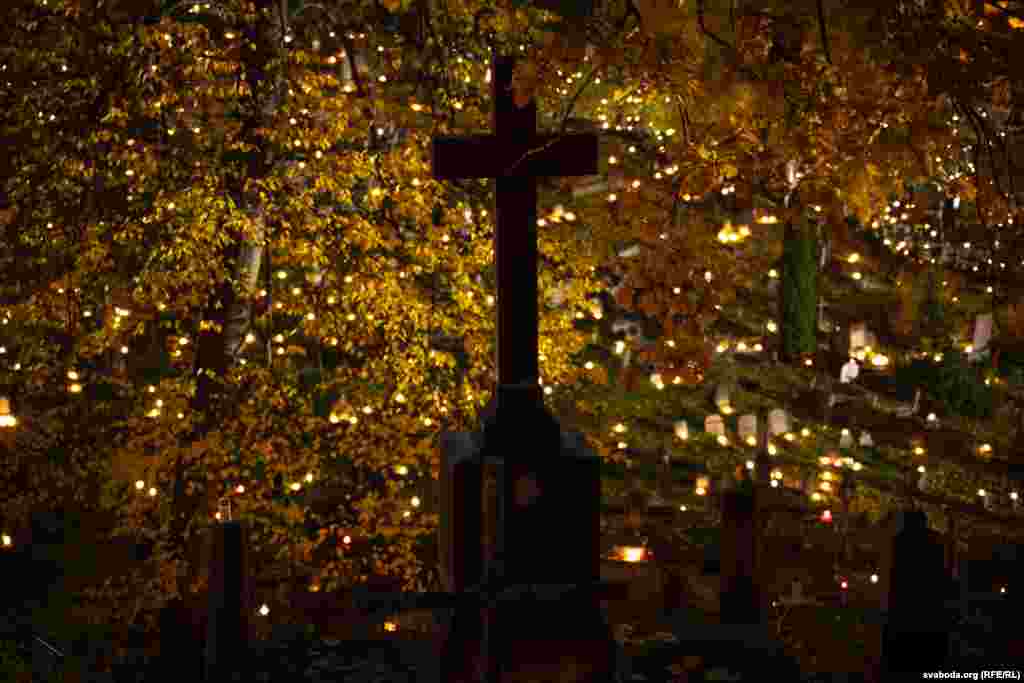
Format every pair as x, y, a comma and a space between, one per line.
824, 31
709, 34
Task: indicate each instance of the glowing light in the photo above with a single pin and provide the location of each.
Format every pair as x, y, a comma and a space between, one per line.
702, 485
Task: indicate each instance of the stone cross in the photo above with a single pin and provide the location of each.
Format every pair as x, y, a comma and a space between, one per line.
520, 439
515, 154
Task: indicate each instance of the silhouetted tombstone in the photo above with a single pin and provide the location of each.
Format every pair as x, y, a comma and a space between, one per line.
748, 427
740, 594
982, 332
914, 636
180, 651
227, 625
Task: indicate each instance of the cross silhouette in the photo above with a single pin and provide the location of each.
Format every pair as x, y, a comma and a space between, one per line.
515, 154
517, 427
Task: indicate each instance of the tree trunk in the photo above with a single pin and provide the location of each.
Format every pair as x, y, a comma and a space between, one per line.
227, 314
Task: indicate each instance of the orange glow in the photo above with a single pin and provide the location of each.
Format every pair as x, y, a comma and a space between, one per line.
633, 553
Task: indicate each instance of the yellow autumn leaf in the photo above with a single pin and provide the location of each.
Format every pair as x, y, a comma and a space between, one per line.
1016, 23
660, 16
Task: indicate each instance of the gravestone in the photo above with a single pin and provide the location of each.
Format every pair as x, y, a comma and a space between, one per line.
713, 424
545, 514
778, 422
228, 622
740, 593
682, 429
915, 631
849, 372
982, 332
865, 440
748, 427
846, 439
180, 654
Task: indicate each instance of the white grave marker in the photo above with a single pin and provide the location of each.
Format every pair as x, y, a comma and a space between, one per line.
865, 440
748, 427
713, 424
982, 331
778, 422
850, 371
682, 430
846, 439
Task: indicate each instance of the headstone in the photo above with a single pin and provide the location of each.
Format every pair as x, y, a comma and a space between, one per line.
982, 331
713, 424
228, 619
849, 372
865, 440
748, 427
858, 335
459, 531
778, 422
180, 651
547, 514
740, 593
846, 439
915, 629
682, 430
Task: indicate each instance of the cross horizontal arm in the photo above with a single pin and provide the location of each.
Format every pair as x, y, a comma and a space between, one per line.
487, 156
